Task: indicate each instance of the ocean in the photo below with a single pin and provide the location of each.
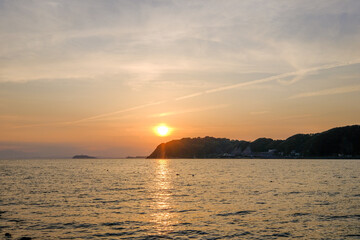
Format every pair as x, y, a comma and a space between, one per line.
180, 199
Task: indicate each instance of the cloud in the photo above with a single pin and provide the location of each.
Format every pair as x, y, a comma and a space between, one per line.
331, 91
105, 116
270, 79
190, 96
142, 43
229, 87
164, 114
100, 117
76, 39
291, 117
293, 80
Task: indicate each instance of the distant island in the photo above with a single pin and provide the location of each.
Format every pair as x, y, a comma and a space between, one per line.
83, 157
341, 142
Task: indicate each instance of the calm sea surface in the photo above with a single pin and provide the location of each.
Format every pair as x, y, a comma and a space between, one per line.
180, 199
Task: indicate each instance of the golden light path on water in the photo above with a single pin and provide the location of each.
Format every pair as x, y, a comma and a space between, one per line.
180, 199
163, 217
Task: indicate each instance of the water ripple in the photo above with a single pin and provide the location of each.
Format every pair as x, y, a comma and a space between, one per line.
241, 213
180, 199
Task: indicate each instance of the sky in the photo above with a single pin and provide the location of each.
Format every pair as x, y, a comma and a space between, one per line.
95, 77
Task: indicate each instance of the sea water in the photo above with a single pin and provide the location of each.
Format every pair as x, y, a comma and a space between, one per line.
180, 199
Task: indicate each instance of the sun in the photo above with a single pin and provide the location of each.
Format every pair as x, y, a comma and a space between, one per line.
162, 130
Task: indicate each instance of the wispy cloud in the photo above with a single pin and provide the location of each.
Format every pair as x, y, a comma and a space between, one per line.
190, 96
225, 88
101, 117
291, 117
106, 115
270, 79
330, 91
293, 80
41, 125
193, 110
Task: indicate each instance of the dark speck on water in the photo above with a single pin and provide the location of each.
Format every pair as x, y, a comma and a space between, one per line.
179, 199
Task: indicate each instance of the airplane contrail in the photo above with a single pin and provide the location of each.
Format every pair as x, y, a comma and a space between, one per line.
192, 110
116, 112
268, 79
96, 117
209, 91
224, 88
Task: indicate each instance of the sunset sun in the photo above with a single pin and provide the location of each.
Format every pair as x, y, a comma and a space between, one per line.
162, 130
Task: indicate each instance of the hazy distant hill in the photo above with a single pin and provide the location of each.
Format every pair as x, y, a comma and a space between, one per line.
341, 142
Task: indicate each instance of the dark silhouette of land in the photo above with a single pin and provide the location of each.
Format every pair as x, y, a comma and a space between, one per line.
341, 142
83, 157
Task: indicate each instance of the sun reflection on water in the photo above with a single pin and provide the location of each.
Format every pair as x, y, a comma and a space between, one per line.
163, 217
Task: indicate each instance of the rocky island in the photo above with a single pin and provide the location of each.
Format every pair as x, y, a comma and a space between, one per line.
83, 157
341, 142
